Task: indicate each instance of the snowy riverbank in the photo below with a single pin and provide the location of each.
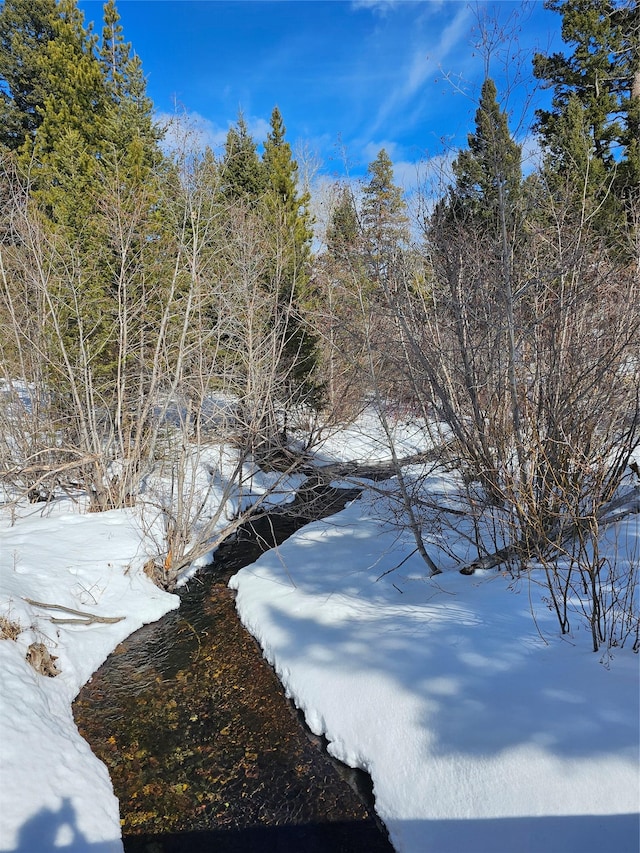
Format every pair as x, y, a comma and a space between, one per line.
481, 728
53, 790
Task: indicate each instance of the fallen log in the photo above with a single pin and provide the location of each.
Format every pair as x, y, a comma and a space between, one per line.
554, 540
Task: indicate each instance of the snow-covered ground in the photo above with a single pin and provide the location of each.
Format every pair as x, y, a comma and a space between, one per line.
481, 728
53, 790
481, 731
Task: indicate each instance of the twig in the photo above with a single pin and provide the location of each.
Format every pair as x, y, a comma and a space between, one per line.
87, 618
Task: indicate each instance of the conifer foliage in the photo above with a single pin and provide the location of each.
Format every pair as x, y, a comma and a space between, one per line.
285, 205
129, 126
384, 213
26, 28
488, 172
243, 174
600, 76
286, 212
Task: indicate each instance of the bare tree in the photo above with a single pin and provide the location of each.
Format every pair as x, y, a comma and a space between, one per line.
160, 387
561, 354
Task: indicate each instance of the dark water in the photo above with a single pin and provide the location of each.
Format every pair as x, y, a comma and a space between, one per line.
204, 750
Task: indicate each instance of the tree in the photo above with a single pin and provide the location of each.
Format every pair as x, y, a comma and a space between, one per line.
384, 215
602, 74
340, 277
485, 200
570, 169
26, 28
488, 173
344, 228
69, 106
93, 188
243, 174
286, 212
129, 127
283, 201
63, 154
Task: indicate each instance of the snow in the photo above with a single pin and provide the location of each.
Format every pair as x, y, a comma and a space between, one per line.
53, 790
482, 729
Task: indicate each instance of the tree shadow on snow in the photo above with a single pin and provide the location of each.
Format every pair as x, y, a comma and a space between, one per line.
481, 693
551, 834
483, 678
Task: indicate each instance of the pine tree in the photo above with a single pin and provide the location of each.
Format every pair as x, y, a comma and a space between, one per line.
572, 172
344, 229
26, 28
63, 154
90, 163
385, 223
602, 74
129, 128
488, 173
281, 195
286, 211
243, 174
114, 51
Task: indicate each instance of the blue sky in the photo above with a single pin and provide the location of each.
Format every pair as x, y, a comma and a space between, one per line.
348, 77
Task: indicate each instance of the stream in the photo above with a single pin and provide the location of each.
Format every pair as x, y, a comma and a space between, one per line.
204, 750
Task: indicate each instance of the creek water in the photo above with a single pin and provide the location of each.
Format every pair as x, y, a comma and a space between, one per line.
204, 750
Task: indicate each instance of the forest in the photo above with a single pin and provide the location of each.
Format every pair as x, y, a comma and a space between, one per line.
158, 304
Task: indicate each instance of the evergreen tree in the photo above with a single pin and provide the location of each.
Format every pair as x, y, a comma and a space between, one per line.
344, 229
68, 108
243, 175
26, 28
114, 51
488, 173
602, 74
287, 214
282, 198
128, 169
572, 172
385, 223
129, 128
346, 261
90, 163
63, 154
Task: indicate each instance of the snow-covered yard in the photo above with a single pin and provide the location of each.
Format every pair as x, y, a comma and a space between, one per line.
482, 729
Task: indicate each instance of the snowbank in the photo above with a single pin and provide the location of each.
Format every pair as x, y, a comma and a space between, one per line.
53, 790
481, 729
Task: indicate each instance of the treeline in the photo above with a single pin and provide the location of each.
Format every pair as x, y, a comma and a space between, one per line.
140, 287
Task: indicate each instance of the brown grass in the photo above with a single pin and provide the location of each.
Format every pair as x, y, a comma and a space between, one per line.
9, 630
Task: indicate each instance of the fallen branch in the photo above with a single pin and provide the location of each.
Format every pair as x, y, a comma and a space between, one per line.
87, 618
554, 540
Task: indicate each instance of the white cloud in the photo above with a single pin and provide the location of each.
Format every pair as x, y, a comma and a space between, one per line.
424, 62
371, 150
190, 131
380, 7
408, 175
258, 128
531, 153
